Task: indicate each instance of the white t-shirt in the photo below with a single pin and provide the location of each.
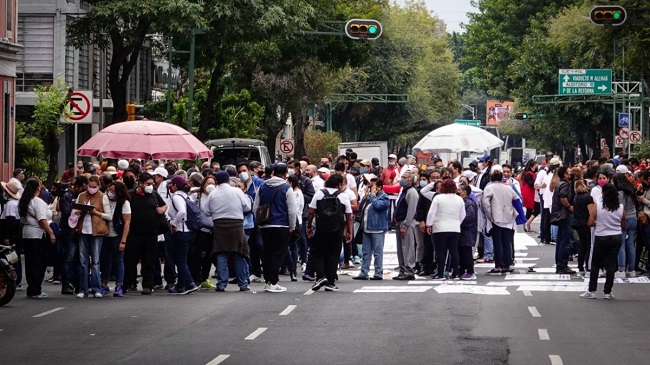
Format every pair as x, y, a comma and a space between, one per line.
548, 194
37, 210
343, 198
300, 204
318, 182
608, 223
10, 210
352, 183
539, 179
126, 209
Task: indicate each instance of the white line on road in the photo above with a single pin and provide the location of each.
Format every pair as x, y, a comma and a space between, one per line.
309, 292
527, 293
535, 313
48, 312
288, 310
543, 334
257, 332
522, 272
556, 360
218, 360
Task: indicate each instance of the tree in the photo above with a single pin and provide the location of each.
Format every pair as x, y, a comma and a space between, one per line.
50, 109
318, 143
122, 26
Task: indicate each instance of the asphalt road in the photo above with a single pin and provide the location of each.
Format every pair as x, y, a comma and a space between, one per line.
532, 319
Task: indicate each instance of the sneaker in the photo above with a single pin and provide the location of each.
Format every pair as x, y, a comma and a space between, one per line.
357, 260
191, 289
631, 274
330, 287
275, 289
159, 287
56, 281
245, 289
132, 288
220, 290
494, 272
619, 275
308, 277
19, 287
208, 285
359, 278
588, 295
42, 295
255, 279
105, 290
98, 295
376, 278
176, 291
81, 295
468, 277
319, 284
438, 278
609, 296
147, 291
566, 270
118, 291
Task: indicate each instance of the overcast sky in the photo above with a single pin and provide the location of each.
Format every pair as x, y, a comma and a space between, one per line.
452, 12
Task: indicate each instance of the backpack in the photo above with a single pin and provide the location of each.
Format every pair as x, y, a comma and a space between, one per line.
194, 220
118, 219
329, 212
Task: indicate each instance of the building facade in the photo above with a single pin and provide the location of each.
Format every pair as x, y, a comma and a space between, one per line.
9, 49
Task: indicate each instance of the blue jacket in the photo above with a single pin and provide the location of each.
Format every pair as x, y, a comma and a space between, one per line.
280, 209
257, 183
378, 205
469, 226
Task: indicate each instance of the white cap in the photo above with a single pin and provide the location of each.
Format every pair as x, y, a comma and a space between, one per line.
160, 171
324, 170
622, 169
123, 164
392, 155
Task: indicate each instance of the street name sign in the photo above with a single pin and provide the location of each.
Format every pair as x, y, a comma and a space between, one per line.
584, 81
473, 123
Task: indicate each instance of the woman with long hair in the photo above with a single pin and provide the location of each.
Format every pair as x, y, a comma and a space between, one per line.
607, 217
116, 204
200, 261
627, 196
35, 216
291, 258
528, 193
581, 205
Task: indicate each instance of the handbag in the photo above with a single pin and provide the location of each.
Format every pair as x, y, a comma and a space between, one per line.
642, 218
263, 212
163, 224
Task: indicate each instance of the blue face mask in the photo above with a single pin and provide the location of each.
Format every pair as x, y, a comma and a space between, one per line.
363, 170
423, 183
404, 183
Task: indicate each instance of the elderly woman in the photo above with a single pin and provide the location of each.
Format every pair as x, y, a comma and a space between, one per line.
443, 223
501, 215
468, 234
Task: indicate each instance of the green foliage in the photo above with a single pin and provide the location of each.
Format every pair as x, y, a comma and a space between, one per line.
319, 143
31, 152
237, 116
51, 107
642, 150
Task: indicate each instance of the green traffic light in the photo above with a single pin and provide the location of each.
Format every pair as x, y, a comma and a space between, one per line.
617, 15
372, 29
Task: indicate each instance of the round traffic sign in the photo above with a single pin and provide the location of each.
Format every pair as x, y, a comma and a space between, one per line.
286, 147
624, 132
80, 106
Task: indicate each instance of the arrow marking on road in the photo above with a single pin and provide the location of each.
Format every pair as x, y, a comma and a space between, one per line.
543, 334
48, 312
534, 312
218, 360
255, 334
288, 310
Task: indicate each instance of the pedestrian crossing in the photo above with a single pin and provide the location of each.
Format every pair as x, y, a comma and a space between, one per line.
534, 278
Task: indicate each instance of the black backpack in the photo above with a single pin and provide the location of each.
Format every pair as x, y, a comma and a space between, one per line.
329, 212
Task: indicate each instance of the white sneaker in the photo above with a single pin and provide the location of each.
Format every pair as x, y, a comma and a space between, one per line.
631, 274
275, 289
609, 296
267, 286
255, 279
81, 295
588, 295
581, 274
98, 295
303, 268
619, 275
587, 275
601, 274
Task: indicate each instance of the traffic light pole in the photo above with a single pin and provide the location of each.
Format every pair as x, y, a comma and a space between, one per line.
190, 101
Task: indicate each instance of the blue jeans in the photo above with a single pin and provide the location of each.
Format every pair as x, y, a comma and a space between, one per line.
70, 260
112, 258
488, 247
373, 244
240, 269
182, 242
302, 242
563, 243
627, 253
89, 249
554, 233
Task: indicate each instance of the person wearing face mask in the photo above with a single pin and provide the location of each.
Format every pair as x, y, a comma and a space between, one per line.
129, 178
405, 217
142, 241
389, 174
374, 223
424, 251
116, 204
92, 227
561, 210
200, 260
165, 241
307, 189
252, 184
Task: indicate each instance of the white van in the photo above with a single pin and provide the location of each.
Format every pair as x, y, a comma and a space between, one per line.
230, 151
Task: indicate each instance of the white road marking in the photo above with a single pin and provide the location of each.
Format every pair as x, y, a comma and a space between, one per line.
535, 283
257, 332
288, 310
445, 282
534, 312
48, 312
538, 277
218, 360
472, 289
522, 272
543, 334
309, 292
521, 254
555, 360
554, 288
393, 289
527, 293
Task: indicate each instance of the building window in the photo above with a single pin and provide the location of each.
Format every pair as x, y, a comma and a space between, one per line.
10, 13
35, 64
7, 124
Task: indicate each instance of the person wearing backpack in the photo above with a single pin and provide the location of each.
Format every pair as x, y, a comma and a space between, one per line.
275, 213
116, 203
183, 235
332, 210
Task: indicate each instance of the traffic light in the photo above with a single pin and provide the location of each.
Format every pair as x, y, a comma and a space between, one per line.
130, 110
363, 29
522, 116
608, 15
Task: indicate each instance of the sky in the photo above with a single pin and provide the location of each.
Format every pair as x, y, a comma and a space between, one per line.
452, 12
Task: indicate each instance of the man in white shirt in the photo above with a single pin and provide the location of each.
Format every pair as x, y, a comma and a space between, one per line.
316, 176
547, 197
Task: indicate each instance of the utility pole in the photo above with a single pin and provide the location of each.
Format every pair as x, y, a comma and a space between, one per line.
190, 99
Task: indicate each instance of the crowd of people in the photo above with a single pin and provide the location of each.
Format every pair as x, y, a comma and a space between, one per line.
254, 223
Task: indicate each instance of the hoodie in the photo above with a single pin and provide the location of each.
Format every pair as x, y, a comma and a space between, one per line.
283, 204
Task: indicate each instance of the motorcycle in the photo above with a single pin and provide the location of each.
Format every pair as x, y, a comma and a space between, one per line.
8, 257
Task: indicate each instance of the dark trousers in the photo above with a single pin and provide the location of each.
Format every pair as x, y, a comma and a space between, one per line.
545, 227
427, 257
563, 245
325, 251
302, 242
502, 239
446, 243
291, 257
200, 260
466, 255
584, 235
70, 270
605, 255
276, 243
35, 263
144, 249
257, 251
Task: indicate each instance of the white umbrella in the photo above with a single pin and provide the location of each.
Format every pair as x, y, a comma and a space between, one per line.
458, 138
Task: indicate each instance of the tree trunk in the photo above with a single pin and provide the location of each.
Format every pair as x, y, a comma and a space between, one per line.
214, 92
54, 144
118, 95
299, 141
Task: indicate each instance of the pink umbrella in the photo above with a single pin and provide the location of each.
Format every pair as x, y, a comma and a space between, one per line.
145, 139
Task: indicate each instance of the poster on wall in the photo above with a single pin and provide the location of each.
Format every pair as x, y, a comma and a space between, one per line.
498, 111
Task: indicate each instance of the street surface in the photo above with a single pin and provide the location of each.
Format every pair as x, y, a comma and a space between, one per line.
523, 318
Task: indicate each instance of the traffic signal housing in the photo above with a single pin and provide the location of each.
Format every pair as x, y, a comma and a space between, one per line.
130, 110
363, 29
522, 116
608, 15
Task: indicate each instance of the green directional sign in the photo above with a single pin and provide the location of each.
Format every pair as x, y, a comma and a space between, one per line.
473, 123
584, 81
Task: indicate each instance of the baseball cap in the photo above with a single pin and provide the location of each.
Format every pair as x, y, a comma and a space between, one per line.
622, 169
375, 161
179, 181
484, 158
555, 162
161, 171
324, 170
392, 155
365, 163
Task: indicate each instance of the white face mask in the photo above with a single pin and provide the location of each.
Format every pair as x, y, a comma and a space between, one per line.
244, 176
291, 172
111, 195
148, 189
209, 188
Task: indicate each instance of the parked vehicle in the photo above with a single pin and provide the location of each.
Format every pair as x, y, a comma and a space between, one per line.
8, 257
367, 150
232, 150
